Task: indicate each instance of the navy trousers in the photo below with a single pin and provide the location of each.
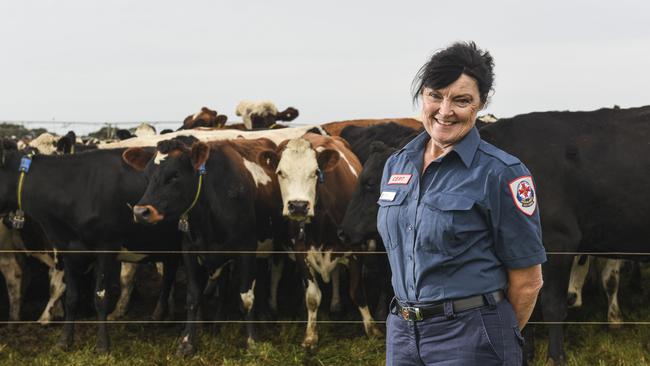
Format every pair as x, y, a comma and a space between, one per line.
484, 336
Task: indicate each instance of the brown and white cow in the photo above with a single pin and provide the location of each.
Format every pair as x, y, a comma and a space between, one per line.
206, 117
335, 128
262, 115
317, 175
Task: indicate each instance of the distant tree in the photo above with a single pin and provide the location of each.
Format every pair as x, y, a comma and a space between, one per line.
103, 133
12, 130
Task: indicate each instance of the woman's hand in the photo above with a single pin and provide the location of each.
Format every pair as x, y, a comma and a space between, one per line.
523, 287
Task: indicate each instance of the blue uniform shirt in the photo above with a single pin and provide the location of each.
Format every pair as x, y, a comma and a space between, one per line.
454, 231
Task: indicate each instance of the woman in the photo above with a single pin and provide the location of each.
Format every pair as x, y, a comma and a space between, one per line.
460, 223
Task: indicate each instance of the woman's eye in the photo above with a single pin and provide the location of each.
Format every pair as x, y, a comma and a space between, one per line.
280, 174
463, 102
435, 96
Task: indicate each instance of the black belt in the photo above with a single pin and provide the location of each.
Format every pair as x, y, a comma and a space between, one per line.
414, 313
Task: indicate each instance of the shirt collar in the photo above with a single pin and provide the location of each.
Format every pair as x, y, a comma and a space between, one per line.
465, 148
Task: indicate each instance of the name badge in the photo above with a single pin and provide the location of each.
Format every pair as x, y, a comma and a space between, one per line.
387, 196
399, 179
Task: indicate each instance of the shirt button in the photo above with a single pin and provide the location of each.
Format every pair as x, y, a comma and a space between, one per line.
409, 227
410, 257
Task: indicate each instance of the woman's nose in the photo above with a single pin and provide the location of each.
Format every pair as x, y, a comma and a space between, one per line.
445, 107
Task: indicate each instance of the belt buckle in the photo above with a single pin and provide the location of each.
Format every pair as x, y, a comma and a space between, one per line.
411, 313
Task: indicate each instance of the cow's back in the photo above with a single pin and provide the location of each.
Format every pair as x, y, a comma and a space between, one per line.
335, 128
591, 167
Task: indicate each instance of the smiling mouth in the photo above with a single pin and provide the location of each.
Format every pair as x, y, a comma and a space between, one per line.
445, 123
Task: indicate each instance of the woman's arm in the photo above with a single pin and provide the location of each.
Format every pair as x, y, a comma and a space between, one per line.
523, 287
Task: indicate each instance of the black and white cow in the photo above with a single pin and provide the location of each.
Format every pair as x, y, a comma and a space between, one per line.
80, 201
373, 145
232, 203
591, 171
610, 279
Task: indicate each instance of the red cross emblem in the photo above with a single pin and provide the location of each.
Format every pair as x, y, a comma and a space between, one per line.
524, 189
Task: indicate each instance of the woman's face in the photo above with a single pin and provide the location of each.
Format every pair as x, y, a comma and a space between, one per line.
449, 113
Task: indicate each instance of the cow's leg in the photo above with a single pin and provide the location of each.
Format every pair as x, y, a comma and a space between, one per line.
277, 266
358, 295
247, 294
528, 350
54, 307
579, 271
127, 281
170, 266
312, 300
107, 265
13, 273
73, 270
188, 340
335, 304
610, 279
554, 304
386, 291
57, 288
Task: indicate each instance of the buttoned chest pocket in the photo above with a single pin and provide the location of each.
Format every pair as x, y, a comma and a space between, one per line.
389, 219
450, 224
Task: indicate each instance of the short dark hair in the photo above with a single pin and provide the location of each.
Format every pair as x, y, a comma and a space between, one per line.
447, 65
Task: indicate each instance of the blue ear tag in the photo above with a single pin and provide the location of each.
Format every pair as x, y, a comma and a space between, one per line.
202, 170
25, 162
321, 176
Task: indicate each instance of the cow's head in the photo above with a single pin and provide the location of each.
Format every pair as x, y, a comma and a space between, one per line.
206, 117
360, 221
145, 129
300, 169
172, 172
66, 144
45, 143
263, 115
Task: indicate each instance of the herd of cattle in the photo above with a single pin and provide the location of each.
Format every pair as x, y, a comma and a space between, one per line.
214, 196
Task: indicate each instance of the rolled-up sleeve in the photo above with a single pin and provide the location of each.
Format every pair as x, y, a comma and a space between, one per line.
515, 218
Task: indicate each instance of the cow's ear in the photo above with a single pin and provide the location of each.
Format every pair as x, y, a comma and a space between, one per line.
199, 154
268, 158
327, 159
288, 114
137, 157
220, 120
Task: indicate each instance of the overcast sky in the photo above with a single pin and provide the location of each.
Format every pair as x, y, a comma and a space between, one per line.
333, 60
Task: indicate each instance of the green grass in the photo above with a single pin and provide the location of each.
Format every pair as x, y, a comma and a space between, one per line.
280, 345
154, 344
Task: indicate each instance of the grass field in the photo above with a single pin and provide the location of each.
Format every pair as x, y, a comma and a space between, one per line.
155, 344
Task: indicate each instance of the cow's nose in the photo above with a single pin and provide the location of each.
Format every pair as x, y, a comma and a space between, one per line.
572, 298
141, 214
298, 208
146, 214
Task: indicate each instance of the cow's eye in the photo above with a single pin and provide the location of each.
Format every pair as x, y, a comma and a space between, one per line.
171, 177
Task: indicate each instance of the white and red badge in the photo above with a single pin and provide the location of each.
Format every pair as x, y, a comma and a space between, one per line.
523, 193
399, 178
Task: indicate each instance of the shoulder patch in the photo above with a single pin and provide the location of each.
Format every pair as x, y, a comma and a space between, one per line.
523, 194
501, 155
